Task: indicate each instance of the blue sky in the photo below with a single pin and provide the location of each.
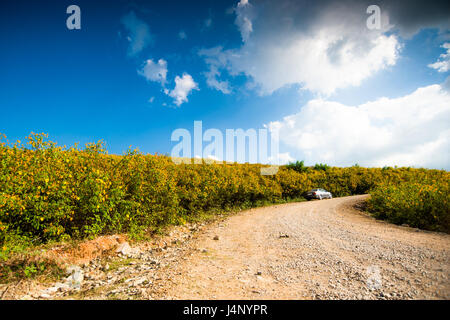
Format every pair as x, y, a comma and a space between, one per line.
90, 84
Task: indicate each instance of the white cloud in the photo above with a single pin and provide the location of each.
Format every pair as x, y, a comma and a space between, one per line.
140, 36
407, 131
215, 59
323, 50
281, 159
213, 82
157, 72
307, 61
183, 87
244, 16
154, 71
443, 63
213, 158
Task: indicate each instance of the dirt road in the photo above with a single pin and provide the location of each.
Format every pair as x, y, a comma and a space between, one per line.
310, 250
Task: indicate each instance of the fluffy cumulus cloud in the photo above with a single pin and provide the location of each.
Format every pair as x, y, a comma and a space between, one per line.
156, 72
320, 48
139, 33
408, 131
443, 63
183, 87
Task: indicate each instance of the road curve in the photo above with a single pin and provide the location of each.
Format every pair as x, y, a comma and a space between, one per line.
310, 250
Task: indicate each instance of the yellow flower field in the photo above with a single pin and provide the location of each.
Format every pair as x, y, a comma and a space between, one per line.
52, 193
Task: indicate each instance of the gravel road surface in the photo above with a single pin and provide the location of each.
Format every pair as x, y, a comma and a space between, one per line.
308, 250
313, 250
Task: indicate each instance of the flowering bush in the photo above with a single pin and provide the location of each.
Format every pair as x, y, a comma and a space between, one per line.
52, 193
424, 204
